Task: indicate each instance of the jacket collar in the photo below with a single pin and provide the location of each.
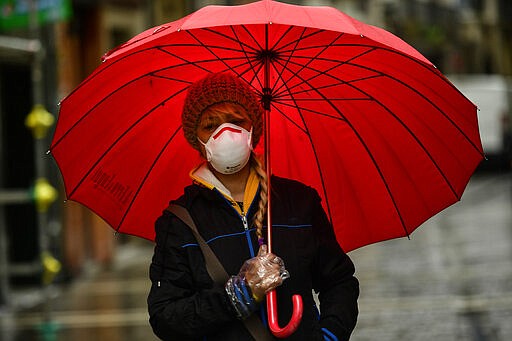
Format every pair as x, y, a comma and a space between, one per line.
203, 176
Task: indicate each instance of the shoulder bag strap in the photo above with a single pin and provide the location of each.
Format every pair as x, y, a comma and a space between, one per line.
213, 265
217, 271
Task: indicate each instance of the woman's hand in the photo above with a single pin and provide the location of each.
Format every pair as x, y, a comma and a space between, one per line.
263, 273
257, 276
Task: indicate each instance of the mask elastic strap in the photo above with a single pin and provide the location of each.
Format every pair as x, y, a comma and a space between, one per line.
198, 139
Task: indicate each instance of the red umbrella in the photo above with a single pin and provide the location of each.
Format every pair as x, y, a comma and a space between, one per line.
352, 111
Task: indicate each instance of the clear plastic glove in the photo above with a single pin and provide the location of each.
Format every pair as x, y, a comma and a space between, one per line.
257, 276
264, 273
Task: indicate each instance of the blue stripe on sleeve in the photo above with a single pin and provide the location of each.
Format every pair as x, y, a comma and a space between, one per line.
241, 302
328, 336
245, 292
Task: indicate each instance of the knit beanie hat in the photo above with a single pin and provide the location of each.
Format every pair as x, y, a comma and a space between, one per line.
219, 88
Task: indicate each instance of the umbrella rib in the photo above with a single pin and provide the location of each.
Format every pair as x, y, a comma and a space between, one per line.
145, 178
319, 113
353, 129
260, 47
185, 61
422, 64
407, 86
152, 73
408, 129
370, 155
195, 63
280, 73
314, 47
281, 112
251, 66
100, 70
198, 63
220, 47
217, 58
325, 73
119, 139
288, 30
222, 60
340, 99
339, 64
418, 62
431, 103
247, 59
159, 47
403, 124
311, 59
85, 115
106, 67
228, 38
333, 85
454, 192
416, 139
292, 42
306, 130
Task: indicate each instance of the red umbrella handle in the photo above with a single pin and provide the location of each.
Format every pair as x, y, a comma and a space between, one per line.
273, 323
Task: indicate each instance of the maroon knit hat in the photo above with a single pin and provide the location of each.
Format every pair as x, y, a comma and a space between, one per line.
219, 88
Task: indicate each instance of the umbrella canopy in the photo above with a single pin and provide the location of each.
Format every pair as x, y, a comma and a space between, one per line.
355, 112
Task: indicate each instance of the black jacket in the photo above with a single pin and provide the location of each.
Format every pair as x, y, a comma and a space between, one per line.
185, 304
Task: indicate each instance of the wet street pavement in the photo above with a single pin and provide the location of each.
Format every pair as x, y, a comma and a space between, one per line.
451, 281
104, 304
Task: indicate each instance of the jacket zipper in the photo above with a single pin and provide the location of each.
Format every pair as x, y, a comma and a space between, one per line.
247, 233
244, 221
243, 217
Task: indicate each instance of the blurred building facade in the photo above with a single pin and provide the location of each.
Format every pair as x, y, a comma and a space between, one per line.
47, 52
459, 36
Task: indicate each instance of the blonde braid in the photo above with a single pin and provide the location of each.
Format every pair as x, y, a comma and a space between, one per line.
262, 205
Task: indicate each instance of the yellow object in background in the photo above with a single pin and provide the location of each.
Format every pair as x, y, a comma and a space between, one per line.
51, 267
39, 120
43, 194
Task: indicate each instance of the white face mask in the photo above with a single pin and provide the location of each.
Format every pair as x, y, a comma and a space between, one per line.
228, 149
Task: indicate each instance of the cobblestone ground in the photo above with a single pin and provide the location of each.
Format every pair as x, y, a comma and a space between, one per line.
451, 281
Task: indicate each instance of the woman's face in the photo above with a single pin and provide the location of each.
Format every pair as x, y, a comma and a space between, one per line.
218, 114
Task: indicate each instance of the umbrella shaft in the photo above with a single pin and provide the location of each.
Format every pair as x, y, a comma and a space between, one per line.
267, 143
269, 173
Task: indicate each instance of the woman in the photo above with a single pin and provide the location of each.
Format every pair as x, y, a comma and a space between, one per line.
222, 119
